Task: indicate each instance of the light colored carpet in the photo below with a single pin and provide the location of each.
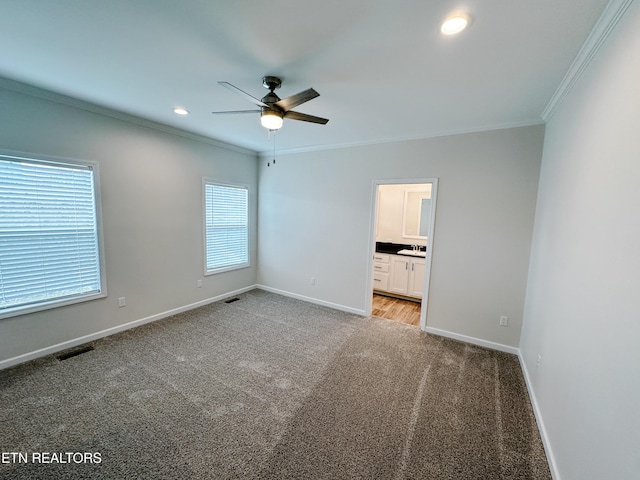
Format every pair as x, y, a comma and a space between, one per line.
270, 387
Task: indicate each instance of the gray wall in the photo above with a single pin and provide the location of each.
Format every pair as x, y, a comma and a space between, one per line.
582, 312
316, 209
151, 185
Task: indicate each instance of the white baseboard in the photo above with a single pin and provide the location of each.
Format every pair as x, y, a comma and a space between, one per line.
10, 362
336, 306
551, 460
473, 340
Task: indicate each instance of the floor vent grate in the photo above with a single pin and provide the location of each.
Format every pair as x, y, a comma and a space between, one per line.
231, 300
75, 353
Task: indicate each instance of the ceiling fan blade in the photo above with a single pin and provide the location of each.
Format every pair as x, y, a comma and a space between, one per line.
227, 112
299, 98
305, 118
235, 89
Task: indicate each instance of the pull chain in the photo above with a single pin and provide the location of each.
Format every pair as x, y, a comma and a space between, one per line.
273, 133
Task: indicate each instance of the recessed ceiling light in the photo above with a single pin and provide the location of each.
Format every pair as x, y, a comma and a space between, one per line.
181, 111
455, 24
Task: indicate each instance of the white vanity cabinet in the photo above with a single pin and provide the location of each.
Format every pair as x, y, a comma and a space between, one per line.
407, 276
399, 274
416, 277
381, 272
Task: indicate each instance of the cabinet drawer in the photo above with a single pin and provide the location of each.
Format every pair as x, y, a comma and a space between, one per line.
381, 257
381, 267
380, 281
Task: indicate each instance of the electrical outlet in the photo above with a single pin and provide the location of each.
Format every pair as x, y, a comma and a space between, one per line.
538, 361
504, 321
122, 302
200, 283
313, 280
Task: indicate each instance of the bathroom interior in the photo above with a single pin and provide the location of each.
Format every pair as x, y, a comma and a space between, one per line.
403, 226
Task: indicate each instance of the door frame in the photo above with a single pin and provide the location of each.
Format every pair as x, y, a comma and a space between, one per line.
372, 241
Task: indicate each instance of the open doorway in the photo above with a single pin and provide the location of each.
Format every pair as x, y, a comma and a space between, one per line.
402, 245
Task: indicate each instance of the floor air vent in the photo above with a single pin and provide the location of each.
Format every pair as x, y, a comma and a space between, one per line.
75, 353
231, 300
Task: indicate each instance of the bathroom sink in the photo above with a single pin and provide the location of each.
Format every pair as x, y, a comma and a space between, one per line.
413, 253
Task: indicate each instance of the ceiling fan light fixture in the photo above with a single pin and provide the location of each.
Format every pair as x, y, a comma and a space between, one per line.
271, 119
455, 24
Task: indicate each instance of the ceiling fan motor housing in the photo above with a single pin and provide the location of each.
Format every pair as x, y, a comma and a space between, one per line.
271, 110
270, 98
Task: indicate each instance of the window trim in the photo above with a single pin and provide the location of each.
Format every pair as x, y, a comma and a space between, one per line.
210, 181
78, 298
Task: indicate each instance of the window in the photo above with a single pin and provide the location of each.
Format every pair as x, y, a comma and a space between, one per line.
50, 251
226, 227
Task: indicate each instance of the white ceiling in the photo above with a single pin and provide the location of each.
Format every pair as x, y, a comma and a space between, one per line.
383, 70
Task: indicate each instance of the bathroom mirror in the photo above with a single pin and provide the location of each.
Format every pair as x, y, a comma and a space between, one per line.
416, 215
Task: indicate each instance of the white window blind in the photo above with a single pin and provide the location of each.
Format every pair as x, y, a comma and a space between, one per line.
226, 227
49, 246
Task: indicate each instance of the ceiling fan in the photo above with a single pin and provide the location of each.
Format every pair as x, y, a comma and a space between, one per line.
273, 109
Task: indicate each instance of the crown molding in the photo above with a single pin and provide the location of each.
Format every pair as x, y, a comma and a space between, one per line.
265, 154
33, 91
610, 17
